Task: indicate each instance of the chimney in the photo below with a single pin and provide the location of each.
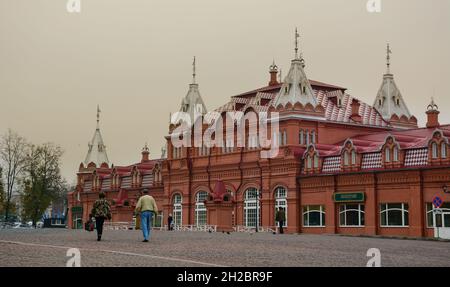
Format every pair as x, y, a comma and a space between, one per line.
273, 74
433, 115
145, 154
355, 111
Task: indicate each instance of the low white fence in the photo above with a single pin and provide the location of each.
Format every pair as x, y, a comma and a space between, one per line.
201, 228
240, 228
132, 226
118, 225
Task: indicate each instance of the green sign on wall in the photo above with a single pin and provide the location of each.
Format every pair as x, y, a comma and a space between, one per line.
349, 197
77, 209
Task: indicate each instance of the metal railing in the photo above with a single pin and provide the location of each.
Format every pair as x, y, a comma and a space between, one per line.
247, 229
200, 228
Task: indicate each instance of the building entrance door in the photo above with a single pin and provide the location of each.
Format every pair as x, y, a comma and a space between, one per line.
442, 223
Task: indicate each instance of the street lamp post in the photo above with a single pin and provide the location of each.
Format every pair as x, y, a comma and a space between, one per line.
445, 189
258, 194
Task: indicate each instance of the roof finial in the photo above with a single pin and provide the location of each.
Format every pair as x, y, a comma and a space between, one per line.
432, 106
193, 71
388, 58
98, 117
297, 35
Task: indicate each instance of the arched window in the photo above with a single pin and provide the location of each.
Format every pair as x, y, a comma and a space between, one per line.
313, 137
394, 214
443, 150
284, 137
251, 208
301, 137
353, 157
316, 161
434, 150
309, 162
351, 215
281, 202
346, 159
314, 216
200, 208
177, 210
396, 154
388, 155
307, 138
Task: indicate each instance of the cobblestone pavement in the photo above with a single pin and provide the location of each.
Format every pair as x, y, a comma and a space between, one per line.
48, 247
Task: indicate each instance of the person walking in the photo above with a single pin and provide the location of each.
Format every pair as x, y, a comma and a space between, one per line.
280, 218
101, 211
169, 221
146, 206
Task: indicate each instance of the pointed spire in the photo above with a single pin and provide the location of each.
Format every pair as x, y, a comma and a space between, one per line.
297, 35
192, 103
389, 100
98, 117
296, 87
193, 71
388, 59
97, 149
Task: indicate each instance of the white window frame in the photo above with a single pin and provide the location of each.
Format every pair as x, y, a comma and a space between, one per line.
177, 209
251, 203
347, 210
396, 153
321, 212
434, 151
281, 201
443, 150
403, 210
388, 154
200, 208
444, 211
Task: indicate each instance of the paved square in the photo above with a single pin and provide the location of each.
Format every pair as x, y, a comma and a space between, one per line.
48, 247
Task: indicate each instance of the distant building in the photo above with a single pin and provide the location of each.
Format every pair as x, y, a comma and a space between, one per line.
344, 166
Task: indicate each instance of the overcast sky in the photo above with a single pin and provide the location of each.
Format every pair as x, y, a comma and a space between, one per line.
133, 58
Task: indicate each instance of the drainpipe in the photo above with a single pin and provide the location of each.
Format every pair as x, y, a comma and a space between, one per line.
422, 204
240, 185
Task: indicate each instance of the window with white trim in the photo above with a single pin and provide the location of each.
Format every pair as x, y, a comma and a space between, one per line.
441, 219
301, 137
200, 208
314, 216
395, 154
434, 150
388, 155
443, 150
353, 157
346, 159
281, 202
251, 208
351, 215
394, 214
177, 210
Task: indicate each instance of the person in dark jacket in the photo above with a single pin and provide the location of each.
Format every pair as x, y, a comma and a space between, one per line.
280, 218
101, 211
169, 221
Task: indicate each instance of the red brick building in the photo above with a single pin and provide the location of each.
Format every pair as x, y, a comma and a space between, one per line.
343, 166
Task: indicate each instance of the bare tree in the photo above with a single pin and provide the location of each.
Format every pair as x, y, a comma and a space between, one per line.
13, 151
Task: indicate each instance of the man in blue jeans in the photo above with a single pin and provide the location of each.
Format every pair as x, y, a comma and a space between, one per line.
146, 206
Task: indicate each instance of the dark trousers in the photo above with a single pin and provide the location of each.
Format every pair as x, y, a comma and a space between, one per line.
281, 226
99, 225
170, 224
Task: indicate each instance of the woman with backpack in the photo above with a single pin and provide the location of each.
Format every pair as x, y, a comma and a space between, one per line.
101, 211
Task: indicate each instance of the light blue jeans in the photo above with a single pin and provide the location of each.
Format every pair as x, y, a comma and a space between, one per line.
146, 223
